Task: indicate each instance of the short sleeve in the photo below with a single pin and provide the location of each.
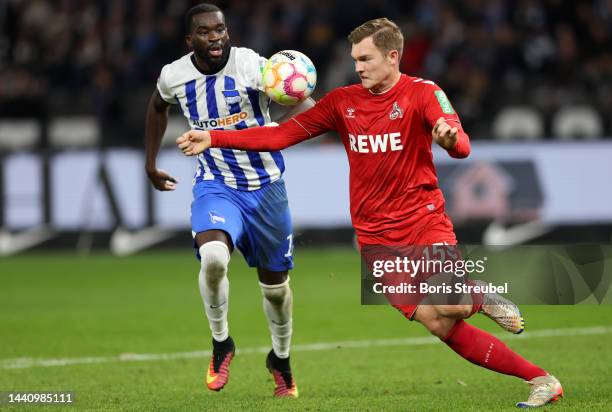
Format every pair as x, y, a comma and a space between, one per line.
163, 87
252, 65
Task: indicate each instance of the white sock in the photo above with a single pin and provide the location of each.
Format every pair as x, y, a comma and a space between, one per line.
278, 306
214, 287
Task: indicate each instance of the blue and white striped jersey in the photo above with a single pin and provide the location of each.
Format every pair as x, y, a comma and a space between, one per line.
230, 99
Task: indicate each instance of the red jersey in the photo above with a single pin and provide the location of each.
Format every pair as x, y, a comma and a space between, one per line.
387, 138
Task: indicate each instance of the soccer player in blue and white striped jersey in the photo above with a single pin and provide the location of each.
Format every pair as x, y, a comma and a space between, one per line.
239, 196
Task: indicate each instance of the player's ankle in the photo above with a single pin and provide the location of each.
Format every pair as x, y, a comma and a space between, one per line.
225, 345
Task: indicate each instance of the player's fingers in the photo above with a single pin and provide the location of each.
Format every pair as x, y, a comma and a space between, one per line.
441, 122
182, 138
436, 130
162, 175
184, 144
169, 185
188, 150
443, 129
453, 132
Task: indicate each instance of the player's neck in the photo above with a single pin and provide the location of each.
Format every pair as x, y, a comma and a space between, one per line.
205, 68
387, 85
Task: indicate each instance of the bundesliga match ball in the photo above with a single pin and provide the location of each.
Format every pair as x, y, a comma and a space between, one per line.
289, 77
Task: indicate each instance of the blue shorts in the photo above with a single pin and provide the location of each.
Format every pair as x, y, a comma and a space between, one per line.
258, 222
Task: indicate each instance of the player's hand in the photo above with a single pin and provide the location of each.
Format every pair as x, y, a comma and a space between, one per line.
444, 135
161, 180
193, 142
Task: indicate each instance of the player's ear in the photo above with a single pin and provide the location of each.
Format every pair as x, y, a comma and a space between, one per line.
393, 56
188, 40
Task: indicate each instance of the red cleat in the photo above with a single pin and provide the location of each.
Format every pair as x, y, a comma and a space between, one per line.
217, 374
283, 378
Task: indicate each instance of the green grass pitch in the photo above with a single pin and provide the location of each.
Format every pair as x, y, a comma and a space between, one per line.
61, 306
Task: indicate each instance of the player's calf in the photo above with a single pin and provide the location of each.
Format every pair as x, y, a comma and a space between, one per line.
214, 286
278, 307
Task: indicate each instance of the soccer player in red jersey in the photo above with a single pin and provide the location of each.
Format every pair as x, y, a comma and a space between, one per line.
386, 124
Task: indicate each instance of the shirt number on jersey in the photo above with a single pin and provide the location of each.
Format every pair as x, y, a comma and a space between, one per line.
290, 250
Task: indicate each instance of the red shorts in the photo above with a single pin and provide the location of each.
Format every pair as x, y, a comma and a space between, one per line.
431, 229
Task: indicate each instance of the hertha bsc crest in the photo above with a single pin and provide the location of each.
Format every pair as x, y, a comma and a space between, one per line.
396, 112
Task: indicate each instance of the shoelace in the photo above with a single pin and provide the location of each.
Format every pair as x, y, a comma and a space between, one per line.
540, 391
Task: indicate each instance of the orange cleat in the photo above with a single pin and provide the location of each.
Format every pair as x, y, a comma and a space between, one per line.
283, 378
217, 374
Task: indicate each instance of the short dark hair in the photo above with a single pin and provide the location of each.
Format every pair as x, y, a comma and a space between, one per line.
197, 9
385, 34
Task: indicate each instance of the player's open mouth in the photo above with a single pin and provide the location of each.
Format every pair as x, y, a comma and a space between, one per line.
215, 51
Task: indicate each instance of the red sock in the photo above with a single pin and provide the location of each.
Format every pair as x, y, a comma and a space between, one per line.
484, 349
476, 299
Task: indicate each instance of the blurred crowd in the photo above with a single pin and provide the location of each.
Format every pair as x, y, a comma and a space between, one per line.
68, 57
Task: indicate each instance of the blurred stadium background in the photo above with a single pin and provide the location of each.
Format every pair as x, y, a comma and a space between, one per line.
531, 80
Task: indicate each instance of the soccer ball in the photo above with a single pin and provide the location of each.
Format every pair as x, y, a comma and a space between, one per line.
289, 77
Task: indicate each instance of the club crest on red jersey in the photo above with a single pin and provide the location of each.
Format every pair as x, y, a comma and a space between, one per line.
350, 113
396, 112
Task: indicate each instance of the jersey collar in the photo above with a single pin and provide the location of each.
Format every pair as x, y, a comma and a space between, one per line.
193, 63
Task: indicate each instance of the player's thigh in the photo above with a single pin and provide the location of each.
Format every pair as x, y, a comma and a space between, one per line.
268, 242
271, 277
216, 218
213, 235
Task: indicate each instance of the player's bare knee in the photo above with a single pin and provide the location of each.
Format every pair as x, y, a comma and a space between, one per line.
454, 311
214, 257
437, 327
428, 316
276, 294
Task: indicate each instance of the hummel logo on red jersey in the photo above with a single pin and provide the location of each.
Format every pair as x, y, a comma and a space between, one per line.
350, 113
396, 112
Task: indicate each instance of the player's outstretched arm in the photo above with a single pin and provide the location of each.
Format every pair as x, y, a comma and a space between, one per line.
193, 142
266, 138
295, 110
155, 127
311, 123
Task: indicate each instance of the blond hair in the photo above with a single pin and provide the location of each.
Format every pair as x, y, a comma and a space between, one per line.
385, 34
